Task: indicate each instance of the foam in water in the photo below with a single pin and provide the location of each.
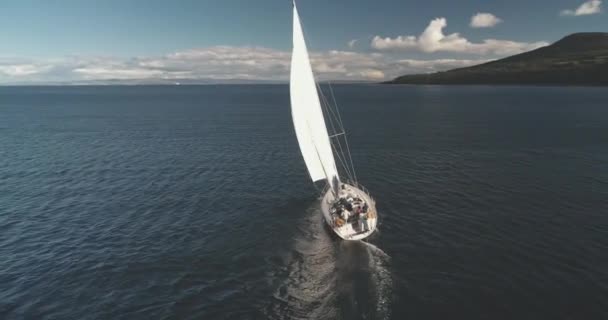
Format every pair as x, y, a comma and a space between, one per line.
326, 277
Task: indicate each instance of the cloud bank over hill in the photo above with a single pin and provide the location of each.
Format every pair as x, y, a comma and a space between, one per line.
432, 39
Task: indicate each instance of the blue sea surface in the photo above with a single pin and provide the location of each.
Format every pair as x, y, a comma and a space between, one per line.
193, 202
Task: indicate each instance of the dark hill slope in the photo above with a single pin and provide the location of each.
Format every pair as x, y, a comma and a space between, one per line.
578, 59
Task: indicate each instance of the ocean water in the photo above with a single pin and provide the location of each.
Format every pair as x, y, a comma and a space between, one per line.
192, 202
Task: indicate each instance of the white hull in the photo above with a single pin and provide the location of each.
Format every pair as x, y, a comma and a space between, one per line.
354, 230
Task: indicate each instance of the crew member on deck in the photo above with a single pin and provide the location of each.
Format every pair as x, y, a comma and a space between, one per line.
345, 215
363, 221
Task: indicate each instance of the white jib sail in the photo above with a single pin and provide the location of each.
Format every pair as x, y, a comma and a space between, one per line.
306, 112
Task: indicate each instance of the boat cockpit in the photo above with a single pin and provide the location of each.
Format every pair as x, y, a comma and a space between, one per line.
351, 208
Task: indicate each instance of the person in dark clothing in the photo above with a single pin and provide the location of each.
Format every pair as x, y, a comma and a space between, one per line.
349, 206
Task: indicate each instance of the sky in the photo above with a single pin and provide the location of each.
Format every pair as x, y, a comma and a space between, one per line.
44, 41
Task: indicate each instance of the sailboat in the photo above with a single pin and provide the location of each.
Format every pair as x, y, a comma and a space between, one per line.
347, 207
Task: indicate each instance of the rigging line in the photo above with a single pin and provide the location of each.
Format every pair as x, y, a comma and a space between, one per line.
333, 97
331, 91
327, 106
342, 161
340, 153
332, 113
349, 166
320, 93
351, 159
351, 175
321, 161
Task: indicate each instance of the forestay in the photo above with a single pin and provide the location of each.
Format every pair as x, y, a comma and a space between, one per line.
307, 114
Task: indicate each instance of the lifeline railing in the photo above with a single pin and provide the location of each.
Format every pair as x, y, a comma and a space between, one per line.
353, 183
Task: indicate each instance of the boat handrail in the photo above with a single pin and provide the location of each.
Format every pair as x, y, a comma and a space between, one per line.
353, 183
362, 188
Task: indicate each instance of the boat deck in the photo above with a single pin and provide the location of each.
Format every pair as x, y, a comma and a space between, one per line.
350, 212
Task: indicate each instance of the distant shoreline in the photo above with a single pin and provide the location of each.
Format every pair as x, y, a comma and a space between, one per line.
173, 85
286, 84
127, 84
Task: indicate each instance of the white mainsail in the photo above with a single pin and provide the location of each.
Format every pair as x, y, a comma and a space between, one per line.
306, 112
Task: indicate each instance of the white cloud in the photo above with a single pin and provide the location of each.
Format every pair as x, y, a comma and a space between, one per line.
351, 43
484, 20
22, 69
218, 63
368, 74
212, 63
104, 73
221, 62
433, 39
438, 65
589, 7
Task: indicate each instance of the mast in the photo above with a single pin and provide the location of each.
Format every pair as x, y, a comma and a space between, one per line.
307, 115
